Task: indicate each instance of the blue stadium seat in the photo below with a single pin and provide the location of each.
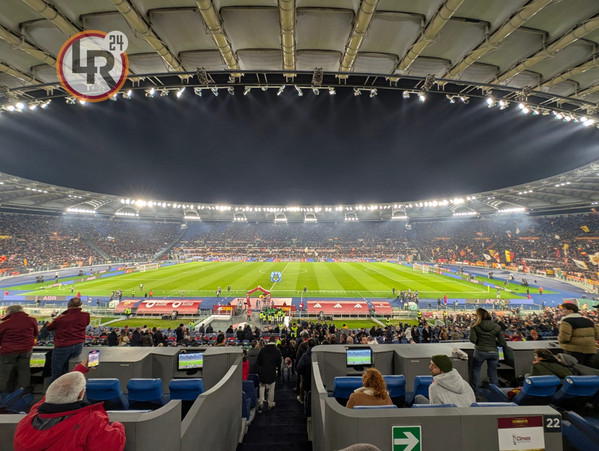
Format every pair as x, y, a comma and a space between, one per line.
245, 406
250, 390
344, 386
186, 389
419, 406
537, 390
6, 399
421, 385
396, 384
255, 379
145, 393
494, 404
392, 406
107, 390
575, 392
580, 433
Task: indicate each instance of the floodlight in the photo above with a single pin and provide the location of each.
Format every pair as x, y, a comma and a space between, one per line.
231, 90
180, 92
373, 92
214, 91
503, 104
33, 106
82, 102
264, 88
197, 91
281, 89
332, 91
357, 92
70, 100
421, 96
316, 91
246, 91
163, 92
406, 94
450, 98
490, 102
299, 91
588, 122
128, 94
150, 92
45, 104
10, 107
20, 106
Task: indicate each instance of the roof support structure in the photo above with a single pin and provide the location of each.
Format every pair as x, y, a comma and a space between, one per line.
140, 26
287, 19
563, 42
212, 20
5, 68
493, 41
430, 32
361, 24
564, 76
20, 43
62, 23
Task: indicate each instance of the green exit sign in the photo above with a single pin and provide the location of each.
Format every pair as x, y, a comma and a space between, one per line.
407, 438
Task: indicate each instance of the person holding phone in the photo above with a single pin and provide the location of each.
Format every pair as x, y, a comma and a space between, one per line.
63, 420
69, 336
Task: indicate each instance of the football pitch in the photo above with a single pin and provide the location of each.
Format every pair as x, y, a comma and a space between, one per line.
321, 279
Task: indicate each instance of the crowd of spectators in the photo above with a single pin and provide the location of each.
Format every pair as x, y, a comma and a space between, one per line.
565, 243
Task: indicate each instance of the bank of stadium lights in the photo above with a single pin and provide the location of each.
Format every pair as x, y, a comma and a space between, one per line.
126, 213
512, 210
87, 211
520, 193
562, 184
192, 218
397, 217
466, 213
461, 98
239, 217
37, 190
180, 92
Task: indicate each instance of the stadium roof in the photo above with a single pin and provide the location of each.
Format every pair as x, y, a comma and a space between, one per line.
576, 190
537, 52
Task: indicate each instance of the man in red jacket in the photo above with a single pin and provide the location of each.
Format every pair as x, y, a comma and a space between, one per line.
62, 420
69, 336
17, 336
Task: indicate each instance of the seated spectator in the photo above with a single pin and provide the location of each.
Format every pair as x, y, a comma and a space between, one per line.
448, 387
373, 393
62, 420
545, 363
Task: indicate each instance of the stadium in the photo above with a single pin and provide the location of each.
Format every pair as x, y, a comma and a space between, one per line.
366, 174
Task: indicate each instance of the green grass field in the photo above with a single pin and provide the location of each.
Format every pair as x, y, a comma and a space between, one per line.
323, 280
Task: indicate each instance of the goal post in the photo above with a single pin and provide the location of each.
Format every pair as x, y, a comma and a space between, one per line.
419, 267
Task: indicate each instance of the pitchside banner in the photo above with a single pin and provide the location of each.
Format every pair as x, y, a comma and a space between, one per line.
338, 307
160, 307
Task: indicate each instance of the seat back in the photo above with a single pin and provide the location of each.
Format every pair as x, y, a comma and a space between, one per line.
421, 385
423, 406
7, 399
145, 393
255, 379
344, 386
387, 406
396, 384
537, 390
245, 406
494, 404
578, 386
107, 390
186, 389
250, 390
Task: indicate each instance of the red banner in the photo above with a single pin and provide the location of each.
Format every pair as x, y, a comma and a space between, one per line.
338, 307
154, 307
382, 308
127, 303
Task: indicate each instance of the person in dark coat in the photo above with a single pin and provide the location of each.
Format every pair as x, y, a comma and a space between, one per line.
304, 369
253, 357
113, 338
546, 364
269, 362
136, 337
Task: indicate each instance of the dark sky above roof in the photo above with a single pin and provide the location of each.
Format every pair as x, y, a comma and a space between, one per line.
269, 149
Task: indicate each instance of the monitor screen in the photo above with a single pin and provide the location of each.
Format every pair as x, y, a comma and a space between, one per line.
191, 361
359, 356
38, 360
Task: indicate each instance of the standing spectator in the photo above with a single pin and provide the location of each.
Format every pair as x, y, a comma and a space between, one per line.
577, 335
485, 335
17, 335
113, 339
269, 363
69, 336
304, 369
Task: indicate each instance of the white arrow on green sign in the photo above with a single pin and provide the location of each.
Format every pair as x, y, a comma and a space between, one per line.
407, 438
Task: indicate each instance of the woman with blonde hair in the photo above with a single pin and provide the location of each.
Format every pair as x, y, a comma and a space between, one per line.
373, 393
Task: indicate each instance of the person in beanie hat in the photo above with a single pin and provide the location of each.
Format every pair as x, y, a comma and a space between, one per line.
448, 387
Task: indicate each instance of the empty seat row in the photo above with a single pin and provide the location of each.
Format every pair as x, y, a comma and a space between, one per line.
142, 393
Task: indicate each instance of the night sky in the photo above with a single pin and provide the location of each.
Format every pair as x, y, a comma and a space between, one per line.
269, 149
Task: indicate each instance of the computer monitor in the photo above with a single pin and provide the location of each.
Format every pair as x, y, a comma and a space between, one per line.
358, 357
38, 360
190, 361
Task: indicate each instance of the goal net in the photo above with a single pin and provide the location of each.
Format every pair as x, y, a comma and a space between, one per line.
148, 267
419, 267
